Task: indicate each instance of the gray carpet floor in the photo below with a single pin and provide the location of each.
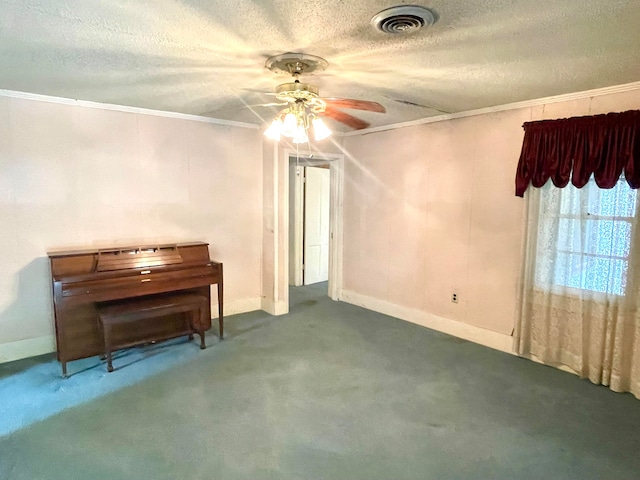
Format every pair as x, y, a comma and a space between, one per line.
330, 391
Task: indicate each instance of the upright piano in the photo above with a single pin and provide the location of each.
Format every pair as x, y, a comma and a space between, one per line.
83, 280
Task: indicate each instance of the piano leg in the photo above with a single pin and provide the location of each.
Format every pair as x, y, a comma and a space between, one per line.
107, 345
220, 318
109, 363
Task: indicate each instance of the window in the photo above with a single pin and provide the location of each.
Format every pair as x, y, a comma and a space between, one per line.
584, 239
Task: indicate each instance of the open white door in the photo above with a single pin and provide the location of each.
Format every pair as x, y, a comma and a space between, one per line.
316, 225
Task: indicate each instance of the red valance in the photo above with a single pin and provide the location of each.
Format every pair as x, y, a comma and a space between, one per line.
571, 149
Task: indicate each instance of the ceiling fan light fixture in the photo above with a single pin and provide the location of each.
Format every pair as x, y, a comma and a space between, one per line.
403, 19
304, 103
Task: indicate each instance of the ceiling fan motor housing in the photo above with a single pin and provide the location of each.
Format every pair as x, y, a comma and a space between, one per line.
296, 90
296, 64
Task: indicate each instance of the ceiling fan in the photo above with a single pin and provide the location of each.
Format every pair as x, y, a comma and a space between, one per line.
303, 103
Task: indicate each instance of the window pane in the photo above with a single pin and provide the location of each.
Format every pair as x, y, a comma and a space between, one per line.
619, 201
605, 275
608, 237
569, 237
568, 270
600, 237
590, 273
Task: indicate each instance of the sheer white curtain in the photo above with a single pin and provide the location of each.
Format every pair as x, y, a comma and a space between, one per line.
579, 294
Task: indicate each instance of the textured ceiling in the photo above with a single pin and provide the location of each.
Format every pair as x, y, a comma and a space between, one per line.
207, 57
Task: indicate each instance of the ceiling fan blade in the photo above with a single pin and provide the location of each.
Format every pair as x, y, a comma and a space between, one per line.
267, 105
348, 120
355, 104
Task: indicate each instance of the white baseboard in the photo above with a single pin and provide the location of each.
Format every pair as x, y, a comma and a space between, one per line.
275, 308
235, 307
487, 338
31, 347
498, 341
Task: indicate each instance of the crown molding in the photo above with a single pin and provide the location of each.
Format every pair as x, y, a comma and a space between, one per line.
438, 118
122, 108
627, 87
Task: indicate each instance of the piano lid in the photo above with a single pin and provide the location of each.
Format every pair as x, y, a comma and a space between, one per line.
137, 257
74, 251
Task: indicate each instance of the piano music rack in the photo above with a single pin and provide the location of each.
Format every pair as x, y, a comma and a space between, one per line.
137, 257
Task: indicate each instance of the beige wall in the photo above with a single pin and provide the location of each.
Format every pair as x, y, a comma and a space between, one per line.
73, 176
430, 210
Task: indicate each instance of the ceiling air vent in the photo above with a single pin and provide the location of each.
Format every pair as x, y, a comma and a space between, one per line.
403, 19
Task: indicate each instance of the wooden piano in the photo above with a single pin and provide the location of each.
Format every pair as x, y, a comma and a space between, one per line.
85, 280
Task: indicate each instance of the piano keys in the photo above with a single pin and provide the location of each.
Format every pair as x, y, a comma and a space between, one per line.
83, 280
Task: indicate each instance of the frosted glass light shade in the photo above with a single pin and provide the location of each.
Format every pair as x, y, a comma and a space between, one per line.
320, 129
301, 135
273, 132
289, 125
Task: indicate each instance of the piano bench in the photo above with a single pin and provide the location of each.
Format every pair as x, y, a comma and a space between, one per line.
135, 310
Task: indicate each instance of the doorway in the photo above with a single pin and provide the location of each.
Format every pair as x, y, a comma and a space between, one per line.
314, 220
326, 251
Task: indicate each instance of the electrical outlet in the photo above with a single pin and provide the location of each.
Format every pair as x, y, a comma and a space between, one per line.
454, 298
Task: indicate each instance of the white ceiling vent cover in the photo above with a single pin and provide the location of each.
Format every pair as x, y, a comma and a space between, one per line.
403, 19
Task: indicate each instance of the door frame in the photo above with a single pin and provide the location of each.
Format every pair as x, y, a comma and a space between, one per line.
336, 189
